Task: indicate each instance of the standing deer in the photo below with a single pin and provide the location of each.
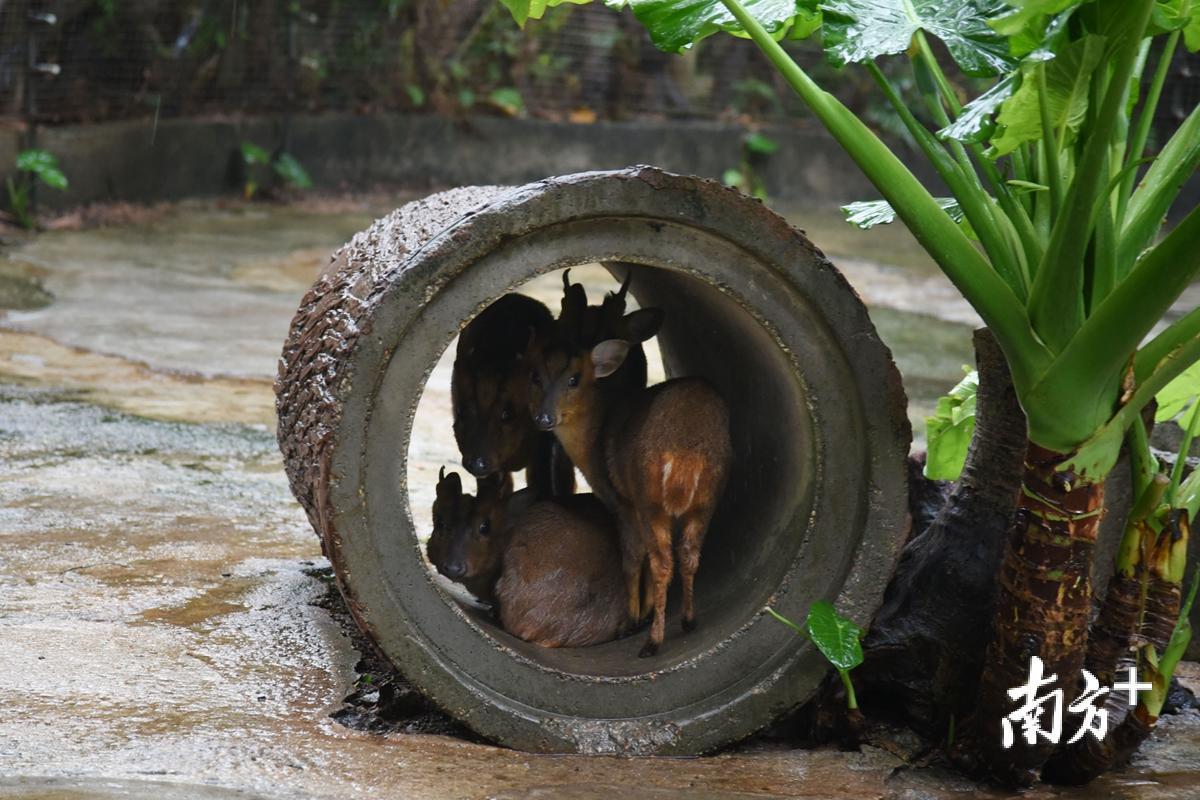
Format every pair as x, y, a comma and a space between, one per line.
551, 569
659, 457
489, 396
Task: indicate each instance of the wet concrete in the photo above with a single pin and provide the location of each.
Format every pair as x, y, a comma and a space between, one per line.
163, 631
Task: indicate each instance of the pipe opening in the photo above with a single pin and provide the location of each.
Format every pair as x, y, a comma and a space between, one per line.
762, 519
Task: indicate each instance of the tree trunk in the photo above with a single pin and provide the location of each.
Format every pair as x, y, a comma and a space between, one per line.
925, 648
1042, 610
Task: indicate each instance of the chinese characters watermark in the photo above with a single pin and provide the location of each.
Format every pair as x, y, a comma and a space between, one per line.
1033, 708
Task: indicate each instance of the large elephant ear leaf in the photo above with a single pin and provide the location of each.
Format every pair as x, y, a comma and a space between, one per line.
863, 30
676, 24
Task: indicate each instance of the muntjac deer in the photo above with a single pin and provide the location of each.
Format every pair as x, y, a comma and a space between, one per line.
551, 569
659, 457
489, 396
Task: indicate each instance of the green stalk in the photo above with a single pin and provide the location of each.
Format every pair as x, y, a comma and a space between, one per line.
1056, 303
1137, 146
1160, 346
1049, 146
1177, 161
963, 183
937, 233
1185, 446
1104, 258
1098, 454
851, 698
1143, 462
1019, 225
1077, 394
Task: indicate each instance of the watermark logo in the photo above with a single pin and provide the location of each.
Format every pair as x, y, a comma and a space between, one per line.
1036, 709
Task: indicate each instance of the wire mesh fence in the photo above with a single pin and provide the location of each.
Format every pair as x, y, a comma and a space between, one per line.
94, 60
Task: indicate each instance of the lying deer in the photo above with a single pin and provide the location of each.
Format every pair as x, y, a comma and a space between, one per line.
659, 457
489, 396
551, 569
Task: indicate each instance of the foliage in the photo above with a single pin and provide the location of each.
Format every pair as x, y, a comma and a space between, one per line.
747, 176
33, 166
261, 166
948, 432
837, 637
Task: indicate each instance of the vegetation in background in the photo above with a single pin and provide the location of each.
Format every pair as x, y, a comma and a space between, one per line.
262, 171
33, 167
747, 176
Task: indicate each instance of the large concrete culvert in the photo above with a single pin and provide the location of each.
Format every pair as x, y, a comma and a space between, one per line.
816, 506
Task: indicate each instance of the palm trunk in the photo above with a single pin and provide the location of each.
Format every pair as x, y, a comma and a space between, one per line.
925, 649
1041, 610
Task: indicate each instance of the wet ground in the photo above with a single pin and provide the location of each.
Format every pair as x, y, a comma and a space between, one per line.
166, 629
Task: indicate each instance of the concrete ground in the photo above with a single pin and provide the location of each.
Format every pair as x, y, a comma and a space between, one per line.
163, 629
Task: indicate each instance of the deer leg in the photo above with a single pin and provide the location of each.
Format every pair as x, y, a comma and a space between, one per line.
633, 556
647, 589
691, 539
661, 570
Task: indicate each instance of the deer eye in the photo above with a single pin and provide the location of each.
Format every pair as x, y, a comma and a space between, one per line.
535, 379
485, 527
573, 380
506, 413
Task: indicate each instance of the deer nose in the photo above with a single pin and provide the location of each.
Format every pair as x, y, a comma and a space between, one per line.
479, 466
456, 570
544, 421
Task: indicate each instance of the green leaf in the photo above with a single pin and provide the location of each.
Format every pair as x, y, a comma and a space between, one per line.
290, 170
1068, 78
524, 10
863, 30
805, 24
253, 154
675, 25
835, 636
949, 431
974, 122
1178, 396
508, 100
734, 178
44, 165
761, 145
866, 214
416, 95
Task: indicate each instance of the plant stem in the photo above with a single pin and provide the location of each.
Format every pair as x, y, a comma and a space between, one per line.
851, 699
1056, 302
1049, 146
963, 182
1185, 446
1137, 145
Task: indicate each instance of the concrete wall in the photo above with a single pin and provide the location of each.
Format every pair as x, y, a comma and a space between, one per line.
140, 162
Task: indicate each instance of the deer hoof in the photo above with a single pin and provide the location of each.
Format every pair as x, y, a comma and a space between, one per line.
688, 625
649, 649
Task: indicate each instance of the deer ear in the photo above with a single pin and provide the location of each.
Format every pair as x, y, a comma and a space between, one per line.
643, 324
449, 485
608, 356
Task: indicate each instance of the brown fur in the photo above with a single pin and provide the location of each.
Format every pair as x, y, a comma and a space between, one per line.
561, 583
658, 457
489, 393
552, 569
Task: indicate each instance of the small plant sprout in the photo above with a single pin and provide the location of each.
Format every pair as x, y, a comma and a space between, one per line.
259, 166
948, 432
33, 166
838, 639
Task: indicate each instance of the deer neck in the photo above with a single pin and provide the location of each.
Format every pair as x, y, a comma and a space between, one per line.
583, 440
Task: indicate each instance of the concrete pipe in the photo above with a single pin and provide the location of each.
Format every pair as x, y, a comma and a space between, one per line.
816, 506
